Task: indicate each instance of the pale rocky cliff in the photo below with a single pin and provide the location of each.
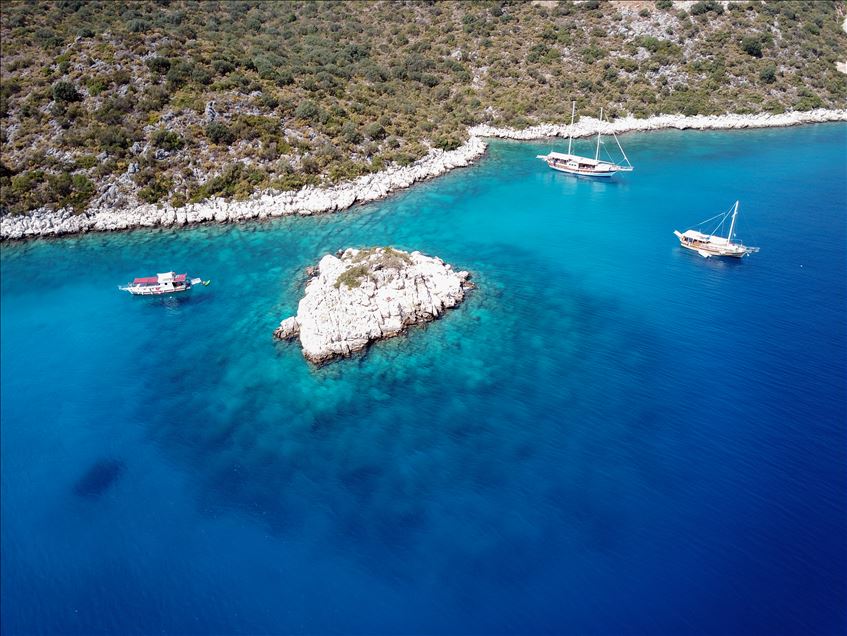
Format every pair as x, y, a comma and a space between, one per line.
361, 296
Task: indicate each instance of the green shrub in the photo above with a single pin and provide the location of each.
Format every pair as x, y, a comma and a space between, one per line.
752, 46
97, 85
768, 74
218, 133
374, 130
180, 73
137, 26
65, 92
446, 142
114, 111
86, 162
112, 139
307, 109
700, 8
155, 191
66, 190
82, 192
353, 276
159, 65
350, 132
236, 180
167, 140
25, 191
121, 77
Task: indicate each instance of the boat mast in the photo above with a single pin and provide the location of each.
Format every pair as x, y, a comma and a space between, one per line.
732, 224
570, 139
597, 154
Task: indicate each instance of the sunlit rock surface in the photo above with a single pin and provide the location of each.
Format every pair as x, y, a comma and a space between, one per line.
360, 296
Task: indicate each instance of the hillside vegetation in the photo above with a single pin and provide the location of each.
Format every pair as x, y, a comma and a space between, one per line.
111, 103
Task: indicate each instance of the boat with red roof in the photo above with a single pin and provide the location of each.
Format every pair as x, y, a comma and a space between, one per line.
166, 283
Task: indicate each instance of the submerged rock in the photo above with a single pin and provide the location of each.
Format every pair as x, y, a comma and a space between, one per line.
367, 295
99, 477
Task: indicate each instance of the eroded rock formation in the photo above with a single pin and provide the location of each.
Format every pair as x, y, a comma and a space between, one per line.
360, 296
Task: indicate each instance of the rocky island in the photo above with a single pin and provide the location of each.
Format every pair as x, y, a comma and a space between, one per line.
359, 296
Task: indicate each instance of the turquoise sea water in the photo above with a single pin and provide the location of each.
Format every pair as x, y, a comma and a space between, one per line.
612, 435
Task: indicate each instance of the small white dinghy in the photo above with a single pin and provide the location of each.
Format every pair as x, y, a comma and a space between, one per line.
166, 283
714, 244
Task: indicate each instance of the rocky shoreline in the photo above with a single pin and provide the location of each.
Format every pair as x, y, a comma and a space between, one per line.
360, 296
263, 205
314, 200
587, 126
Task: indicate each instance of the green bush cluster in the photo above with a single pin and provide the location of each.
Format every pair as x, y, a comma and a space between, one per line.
167, 140
752, 45
65, 92
315, 92
38, 188
705, 6
236, 180
219, 133
353, 276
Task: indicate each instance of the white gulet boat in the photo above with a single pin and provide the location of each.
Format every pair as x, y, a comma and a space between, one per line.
586, 166
166, 283
714, 244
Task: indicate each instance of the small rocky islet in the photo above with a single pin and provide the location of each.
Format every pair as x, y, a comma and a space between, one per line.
359, 296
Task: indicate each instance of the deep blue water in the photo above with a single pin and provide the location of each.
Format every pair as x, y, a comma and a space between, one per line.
611, 436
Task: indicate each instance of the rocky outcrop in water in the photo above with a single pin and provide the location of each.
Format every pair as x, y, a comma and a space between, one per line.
360, 296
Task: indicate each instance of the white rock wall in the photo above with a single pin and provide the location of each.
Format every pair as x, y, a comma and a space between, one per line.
335, 320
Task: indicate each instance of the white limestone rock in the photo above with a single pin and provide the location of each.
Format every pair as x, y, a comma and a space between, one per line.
366, 295
288, 329
588, 126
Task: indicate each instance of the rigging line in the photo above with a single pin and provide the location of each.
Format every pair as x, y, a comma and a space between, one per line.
746, 228
702, 223
621, 149
719, 226
723, 216
606, 150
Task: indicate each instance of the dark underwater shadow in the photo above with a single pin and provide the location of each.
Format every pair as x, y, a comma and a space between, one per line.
503, 409
99, 478
174, 300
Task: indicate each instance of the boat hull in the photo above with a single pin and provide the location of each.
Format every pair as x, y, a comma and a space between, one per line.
154, 292
583, 173
167, 283
707, 250
708, 253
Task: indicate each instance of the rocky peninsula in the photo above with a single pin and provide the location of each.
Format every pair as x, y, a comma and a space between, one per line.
362, 295
314, 200
263, 205
587, 126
